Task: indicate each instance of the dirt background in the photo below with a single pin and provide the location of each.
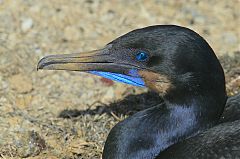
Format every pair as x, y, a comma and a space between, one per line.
58, 114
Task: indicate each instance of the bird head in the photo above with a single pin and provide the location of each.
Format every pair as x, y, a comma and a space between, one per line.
168, 59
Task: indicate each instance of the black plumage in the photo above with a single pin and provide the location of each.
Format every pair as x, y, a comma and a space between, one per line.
180, 65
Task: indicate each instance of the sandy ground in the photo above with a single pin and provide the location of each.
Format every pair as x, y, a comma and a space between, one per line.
58, 114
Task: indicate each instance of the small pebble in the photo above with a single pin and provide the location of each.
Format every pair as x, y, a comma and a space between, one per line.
26, 24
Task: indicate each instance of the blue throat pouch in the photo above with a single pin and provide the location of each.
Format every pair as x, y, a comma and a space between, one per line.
133, 78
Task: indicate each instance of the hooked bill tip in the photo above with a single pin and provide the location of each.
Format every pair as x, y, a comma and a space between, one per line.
40, 64
43, 63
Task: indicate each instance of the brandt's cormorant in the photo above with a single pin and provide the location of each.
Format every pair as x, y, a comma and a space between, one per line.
178, 64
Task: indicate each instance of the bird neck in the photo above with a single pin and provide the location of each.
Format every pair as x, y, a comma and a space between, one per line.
207, 105
189, 117
151, 131
174, 122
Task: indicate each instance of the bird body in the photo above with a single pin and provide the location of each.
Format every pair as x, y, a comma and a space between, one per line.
178, 64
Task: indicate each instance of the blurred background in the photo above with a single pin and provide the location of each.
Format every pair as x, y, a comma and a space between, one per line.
59, 114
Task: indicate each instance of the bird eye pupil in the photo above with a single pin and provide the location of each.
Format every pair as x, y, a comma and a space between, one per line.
141, 56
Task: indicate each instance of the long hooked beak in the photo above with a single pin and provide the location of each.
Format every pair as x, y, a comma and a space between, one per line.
99, 62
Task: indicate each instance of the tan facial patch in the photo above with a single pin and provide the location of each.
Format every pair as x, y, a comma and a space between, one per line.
156, 82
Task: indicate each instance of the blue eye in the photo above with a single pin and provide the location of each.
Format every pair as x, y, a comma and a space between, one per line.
142, 56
